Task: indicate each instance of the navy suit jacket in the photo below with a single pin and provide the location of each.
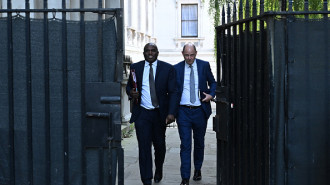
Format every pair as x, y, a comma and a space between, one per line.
165, 85
206, 82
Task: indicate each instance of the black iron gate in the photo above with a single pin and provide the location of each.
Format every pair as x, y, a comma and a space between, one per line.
272, 118
60, 95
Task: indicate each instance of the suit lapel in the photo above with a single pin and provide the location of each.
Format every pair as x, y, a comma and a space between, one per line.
199, 70
139, 74
158, 71
182, 65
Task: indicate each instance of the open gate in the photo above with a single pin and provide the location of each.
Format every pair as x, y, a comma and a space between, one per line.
60, 91
272, 118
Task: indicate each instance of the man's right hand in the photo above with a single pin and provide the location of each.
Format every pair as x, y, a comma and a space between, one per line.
134, 94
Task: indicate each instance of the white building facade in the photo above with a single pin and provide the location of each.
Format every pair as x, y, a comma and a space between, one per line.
170, 24
179, 22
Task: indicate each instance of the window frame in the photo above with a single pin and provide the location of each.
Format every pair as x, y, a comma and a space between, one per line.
197, 21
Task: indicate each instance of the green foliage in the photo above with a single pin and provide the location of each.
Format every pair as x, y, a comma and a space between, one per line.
215, 8
269, 5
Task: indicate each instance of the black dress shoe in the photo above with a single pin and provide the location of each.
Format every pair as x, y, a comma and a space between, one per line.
185, 182
197, 175
158, 176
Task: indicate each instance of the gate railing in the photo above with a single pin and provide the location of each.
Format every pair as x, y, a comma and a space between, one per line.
45, 117
245, 89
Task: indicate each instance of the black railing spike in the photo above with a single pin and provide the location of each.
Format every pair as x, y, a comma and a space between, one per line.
262, 6
325, 5
254, 9
228, 14
247, 9
306, 5
240, 11
306, 8
290, 5
223, 15
283, 5
234, 12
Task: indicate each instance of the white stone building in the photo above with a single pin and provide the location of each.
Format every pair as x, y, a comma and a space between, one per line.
170, 24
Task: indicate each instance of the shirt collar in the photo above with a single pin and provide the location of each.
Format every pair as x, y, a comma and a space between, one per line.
154, 64
193, 64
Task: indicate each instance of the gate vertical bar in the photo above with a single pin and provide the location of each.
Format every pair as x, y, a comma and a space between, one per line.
283, 5
47, 93
120, 45
290, 5
240, 95
307, 80
83, 93
234, 79
264, 99
10, 94
219, 73
28, 91
252, 97
229, 152
246, 92
118, 78
259, 110
306, 9
113, 152
101, 166
325, 8
327, 58
223, 83
100, 43
286, 91
222, 58
65, 95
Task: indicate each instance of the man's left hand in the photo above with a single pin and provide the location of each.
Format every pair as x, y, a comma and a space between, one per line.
207, 97
169, 119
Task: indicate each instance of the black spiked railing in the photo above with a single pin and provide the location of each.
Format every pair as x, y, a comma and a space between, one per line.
240, 10
283, 5
228, 13
223, 20
234, 12
250, 36
254, 9
325, 8
306, 8
247, 9
248, 12
290, 5
262, 6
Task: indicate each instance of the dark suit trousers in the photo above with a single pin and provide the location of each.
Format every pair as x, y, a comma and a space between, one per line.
150, 130
191, 124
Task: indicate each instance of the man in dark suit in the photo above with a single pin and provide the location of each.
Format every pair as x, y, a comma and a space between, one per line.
196, 86
154, 106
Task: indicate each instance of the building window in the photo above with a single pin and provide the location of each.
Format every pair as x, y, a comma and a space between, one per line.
189, 20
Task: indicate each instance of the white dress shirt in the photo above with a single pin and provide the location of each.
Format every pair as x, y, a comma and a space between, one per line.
145, 96
185, 98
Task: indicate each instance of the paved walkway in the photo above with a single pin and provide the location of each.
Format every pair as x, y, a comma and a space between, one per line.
171, 174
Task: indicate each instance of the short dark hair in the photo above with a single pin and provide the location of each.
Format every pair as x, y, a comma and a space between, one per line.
150, 44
